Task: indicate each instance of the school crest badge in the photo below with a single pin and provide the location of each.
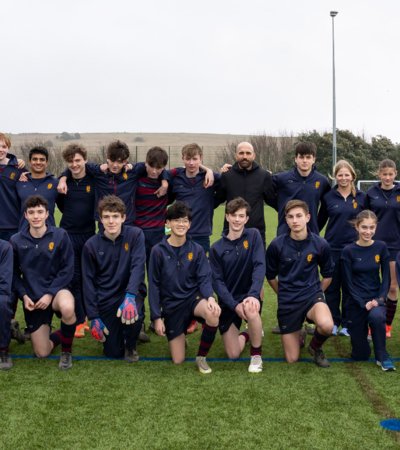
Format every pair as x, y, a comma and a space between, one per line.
377, 258
190, 256
317, 184
12, 175
126, 246
355, 204
49, 186
246, 244
88, 189
51, 246
125, 176
309, 257
398, 198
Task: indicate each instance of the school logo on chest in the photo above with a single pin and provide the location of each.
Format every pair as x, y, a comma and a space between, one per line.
355, 204
13, 175
49, 186
317, 184
190, 256
398, 198
125, 176
126, 246
377, 258
309, 257
51, 246
88, 189
246, 244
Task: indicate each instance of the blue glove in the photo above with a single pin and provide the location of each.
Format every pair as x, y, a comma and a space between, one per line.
98, 330
128, 310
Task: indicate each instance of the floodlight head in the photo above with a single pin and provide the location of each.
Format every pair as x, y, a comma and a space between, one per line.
333, 13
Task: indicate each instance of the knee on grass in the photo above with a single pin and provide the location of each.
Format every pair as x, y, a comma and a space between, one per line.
178, 361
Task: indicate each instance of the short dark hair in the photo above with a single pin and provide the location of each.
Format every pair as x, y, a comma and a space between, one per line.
157, 157
36, 200
179, 210
39, 149
111, 203
297, 204
236, 204
71, 150
305, 148
191, 150
117, 151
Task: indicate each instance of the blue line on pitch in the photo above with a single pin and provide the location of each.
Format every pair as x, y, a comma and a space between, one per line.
167, 358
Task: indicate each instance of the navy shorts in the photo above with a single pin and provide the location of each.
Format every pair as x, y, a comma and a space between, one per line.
177, 320
38, 317
292, 320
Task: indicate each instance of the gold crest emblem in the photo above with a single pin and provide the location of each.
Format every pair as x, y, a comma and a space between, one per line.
245, 244
309, 257
88, 189
12, 175
51, 246
377, 258
125, 176
190, 256
355, 204
317, 184
398, 198
49, 186
126, 246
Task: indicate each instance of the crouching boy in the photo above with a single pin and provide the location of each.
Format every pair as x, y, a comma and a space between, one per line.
43, 270
180, 288
113, 281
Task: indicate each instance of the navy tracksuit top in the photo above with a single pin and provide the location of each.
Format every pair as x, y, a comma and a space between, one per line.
6, 271
9, 200
238, 267
366, 272
42, 266
291, 185
176, 276
296, 263
110, 269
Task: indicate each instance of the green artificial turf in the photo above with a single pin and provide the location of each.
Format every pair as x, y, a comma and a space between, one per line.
155, 405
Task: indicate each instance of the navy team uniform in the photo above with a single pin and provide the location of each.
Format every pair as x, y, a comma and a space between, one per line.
386, 205
46, 187
179, 277
150, 212
9, 200
110, 270
290, 185
367, 276
295, 263
77, 208
199, 199
6, 312
338, 212
42, 266
238, 270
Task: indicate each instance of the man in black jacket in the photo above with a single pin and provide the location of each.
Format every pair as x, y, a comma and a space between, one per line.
248, 180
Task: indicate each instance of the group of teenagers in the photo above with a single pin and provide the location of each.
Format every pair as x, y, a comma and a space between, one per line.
344, 283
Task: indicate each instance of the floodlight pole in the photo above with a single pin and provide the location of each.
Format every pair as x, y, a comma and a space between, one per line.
334, 148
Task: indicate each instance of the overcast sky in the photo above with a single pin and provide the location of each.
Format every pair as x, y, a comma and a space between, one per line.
214, 66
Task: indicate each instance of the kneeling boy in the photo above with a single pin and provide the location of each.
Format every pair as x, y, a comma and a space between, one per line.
113, 281
43, 270
294, 258
238, 267
180, 288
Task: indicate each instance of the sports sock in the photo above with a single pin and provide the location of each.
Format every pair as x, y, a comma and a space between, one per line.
254, 351
67, 336
246, 336
318, 340
4, 349
207, 339
391, 306
55, 338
